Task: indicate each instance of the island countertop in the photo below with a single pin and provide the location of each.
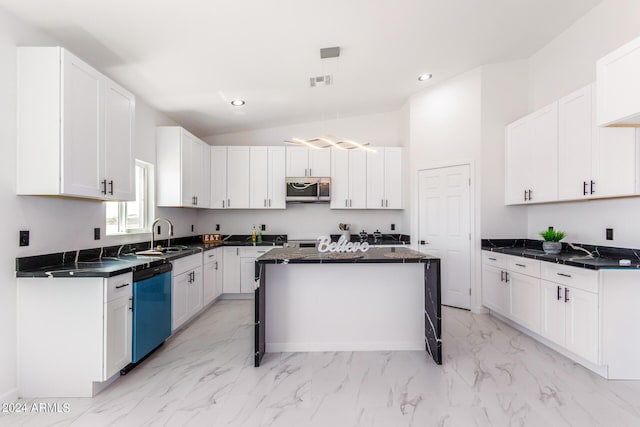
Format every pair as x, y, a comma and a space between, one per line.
372, 255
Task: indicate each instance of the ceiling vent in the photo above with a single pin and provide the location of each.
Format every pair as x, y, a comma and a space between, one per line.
330, 52
320, 80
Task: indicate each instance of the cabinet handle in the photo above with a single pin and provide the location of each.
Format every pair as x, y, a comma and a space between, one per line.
223, 204
310, 173
382, 203
122, 286
386, 203
566, 295
228, 203
501, 276
521, 265
350, 203
261, 252
216, 265
265, 203
559, 297
563, 274
111, 187
506, 276
584, 188
530, 195
525, 195
269, 202
346, 203
104, 186
592, 184
493, 259
196, 200
131, 301
237, 252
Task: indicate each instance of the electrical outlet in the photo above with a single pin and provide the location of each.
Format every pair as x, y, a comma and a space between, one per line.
96, 233
217, 227
393, 227
609, 233
24, 237
263, 227
158, 229
191, 227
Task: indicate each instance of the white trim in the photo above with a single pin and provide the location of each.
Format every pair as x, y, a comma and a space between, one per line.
9, 396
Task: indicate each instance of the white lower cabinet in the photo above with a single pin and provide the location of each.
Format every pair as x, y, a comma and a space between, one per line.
80, 327
212, 275
239, 268
495, 289
231, 271
524, 300
186, 295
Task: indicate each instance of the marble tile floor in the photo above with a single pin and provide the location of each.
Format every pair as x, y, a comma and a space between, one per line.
492, 376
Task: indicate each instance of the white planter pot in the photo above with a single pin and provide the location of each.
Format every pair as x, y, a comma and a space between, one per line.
551, 248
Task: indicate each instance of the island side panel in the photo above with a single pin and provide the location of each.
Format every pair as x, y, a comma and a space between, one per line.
260, 313
433, 310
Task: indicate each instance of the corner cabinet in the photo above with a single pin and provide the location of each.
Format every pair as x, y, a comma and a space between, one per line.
184, 168
618, 88
384, 178
348, 179
89, 344
75, 128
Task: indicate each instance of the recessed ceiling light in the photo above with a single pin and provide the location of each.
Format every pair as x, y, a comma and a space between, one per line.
237, 102
424, 77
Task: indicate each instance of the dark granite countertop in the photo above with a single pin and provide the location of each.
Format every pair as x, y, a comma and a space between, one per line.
373, 255
604, 257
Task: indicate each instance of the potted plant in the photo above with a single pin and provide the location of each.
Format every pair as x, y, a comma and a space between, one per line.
551, 244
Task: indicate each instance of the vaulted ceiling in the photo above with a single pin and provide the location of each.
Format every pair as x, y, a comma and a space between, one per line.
189, 59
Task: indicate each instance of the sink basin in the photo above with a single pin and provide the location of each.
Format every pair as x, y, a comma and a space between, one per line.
150, 252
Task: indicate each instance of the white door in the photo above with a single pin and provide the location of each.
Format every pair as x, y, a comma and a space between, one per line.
179, 307
552, 313
525, 300
357, 179
582, 323
376, 179
444, 228
119, 119
574, 145
238, 177
258, 165
297, 162
320, 162
276, 180
194, 292
82, 128
218, 177
118, 324
392, 178
495, 290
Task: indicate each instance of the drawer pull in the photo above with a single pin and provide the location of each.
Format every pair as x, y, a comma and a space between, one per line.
122, 286
501, 276
559, 296
521, 265
506, 276
492, 259
566, 294
563, 274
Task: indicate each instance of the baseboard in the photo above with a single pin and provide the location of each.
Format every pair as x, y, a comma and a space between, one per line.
285, 347
237, 296
480, 310
9, 396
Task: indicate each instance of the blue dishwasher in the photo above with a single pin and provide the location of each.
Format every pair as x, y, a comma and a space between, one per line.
151, 309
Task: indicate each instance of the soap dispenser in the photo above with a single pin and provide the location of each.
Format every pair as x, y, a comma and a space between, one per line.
259, 236
253, 235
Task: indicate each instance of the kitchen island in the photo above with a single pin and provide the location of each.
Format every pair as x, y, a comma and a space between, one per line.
382, 299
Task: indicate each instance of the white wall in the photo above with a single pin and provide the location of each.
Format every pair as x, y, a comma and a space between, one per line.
565, 64
55, 224
377, 129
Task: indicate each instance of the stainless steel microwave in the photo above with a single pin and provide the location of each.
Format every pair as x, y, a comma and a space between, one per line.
308, 190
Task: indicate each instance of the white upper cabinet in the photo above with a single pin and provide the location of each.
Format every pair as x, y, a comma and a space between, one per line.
183, 169
238, 177
267, 188
218, 177
384, 178
348, 179
593, 162
619, 86
575, 128
532, 157
303, 161
75, 128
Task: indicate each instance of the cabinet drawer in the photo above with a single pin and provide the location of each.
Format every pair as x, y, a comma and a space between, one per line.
187, 263
118, 287
530, 267
576, 277
210, 256
494, 258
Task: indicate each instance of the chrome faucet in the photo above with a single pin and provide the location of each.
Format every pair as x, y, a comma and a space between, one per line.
153, 230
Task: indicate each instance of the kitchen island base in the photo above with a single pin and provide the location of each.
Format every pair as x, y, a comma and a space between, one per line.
377, 303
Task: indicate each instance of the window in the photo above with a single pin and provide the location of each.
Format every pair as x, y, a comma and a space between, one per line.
133, 217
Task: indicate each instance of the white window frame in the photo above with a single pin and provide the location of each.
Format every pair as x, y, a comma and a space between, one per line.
146, 205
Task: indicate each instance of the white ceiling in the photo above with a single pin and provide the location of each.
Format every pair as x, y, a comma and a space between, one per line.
189, 58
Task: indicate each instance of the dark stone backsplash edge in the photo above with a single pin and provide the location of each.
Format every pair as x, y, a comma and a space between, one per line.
603, 251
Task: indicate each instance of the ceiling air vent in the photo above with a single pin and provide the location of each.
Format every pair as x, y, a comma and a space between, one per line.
320, 80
